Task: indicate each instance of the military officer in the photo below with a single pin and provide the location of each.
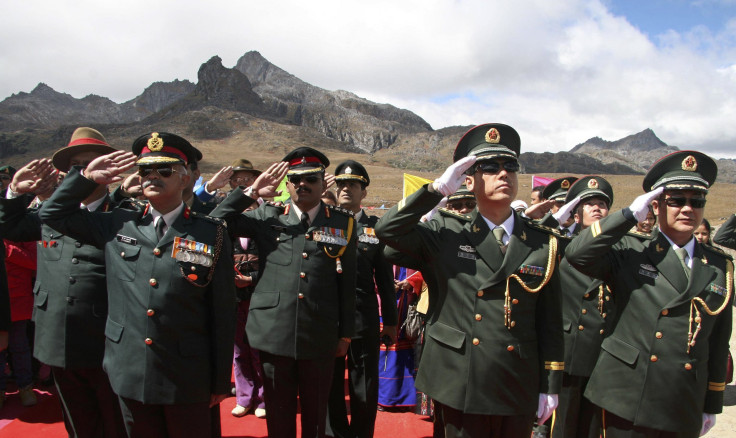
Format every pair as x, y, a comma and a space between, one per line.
303, 307
661, 372
171, 316
374, 273
493, 351
70, 291
462, 201
587, 314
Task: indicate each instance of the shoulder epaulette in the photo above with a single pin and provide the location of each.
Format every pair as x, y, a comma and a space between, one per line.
340, 210
275, 205
716, 250
131, 204
544, 228
640, 235
451, 213
216, 220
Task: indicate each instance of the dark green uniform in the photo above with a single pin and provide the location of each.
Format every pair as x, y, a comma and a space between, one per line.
70, 295
479, 358
170, 326
374, 274
646, 372
301, 306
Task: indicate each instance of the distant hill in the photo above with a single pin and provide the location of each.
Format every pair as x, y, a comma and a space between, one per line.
257, 106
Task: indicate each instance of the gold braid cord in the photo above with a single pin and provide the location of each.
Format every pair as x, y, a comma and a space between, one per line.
697, 300
547, 275
338, 264
601, 297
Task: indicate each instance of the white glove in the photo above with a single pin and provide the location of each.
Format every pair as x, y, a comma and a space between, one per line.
428, 217
640, 206
547, 405
453, 177
709, 420
564, 213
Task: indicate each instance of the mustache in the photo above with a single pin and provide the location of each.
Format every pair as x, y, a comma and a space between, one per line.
303, 190
152, 182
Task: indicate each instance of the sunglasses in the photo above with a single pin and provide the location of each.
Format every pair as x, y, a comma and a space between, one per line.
458, 205
296, 179
495, 166
164, 171
679, 202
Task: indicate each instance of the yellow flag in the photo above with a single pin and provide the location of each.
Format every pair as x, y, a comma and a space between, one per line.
284, 192
412, 183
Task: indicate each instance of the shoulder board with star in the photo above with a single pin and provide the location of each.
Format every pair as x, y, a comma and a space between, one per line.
716, 250
340, 210
215, 220
132, 204
640, 235
451, 213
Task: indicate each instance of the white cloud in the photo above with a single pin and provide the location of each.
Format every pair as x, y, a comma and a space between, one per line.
561, 72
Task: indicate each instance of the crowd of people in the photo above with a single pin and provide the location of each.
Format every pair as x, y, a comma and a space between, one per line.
496, 318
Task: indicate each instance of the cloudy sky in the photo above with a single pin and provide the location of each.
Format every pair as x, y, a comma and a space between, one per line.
559, 71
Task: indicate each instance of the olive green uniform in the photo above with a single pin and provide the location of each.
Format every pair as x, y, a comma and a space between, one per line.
477, 359
646, 372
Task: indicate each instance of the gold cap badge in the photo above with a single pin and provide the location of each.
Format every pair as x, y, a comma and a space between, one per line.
493, 136
690, 164
155, 143
565, 184
593, 183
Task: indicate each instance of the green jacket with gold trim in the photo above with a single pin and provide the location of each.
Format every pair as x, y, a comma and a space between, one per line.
648, 371
487, 351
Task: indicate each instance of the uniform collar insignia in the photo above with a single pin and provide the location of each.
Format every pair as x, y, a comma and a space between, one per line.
523, 236
659, 248
704, 260
475, 228
648, 267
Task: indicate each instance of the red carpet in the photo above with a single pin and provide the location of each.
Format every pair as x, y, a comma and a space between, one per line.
44, 420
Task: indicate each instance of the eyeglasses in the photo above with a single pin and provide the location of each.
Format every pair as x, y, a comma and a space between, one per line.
458, 205
495, 166
164, 171
680, 201
296, 179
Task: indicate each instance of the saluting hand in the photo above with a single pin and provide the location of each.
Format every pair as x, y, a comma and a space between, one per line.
38, 176
329, 180
564, 213
107, 168
538, 210
452, 179
220, 179
640, 206
267, 182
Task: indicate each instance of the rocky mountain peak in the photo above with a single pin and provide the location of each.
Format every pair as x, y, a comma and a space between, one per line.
225, 88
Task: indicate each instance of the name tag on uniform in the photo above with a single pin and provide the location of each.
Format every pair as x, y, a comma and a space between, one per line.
648, 271
126, 239
717, 289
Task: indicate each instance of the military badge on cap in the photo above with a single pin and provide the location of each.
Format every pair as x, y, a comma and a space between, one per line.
682, 170
565, 184
689, 164
352, 170
493, 136
591, 186
155, 143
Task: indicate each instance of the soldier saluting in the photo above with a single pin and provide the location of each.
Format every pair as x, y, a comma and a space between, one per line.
493, 352
171, 316
661, 372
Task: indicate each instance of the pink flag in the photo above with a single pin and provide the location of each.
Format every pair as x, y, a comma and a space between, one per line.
540, 181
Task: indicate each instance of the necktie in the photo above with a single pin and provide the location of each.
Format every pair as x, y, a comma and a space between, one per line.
498, 233
160, 228
682, 255
305, 221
